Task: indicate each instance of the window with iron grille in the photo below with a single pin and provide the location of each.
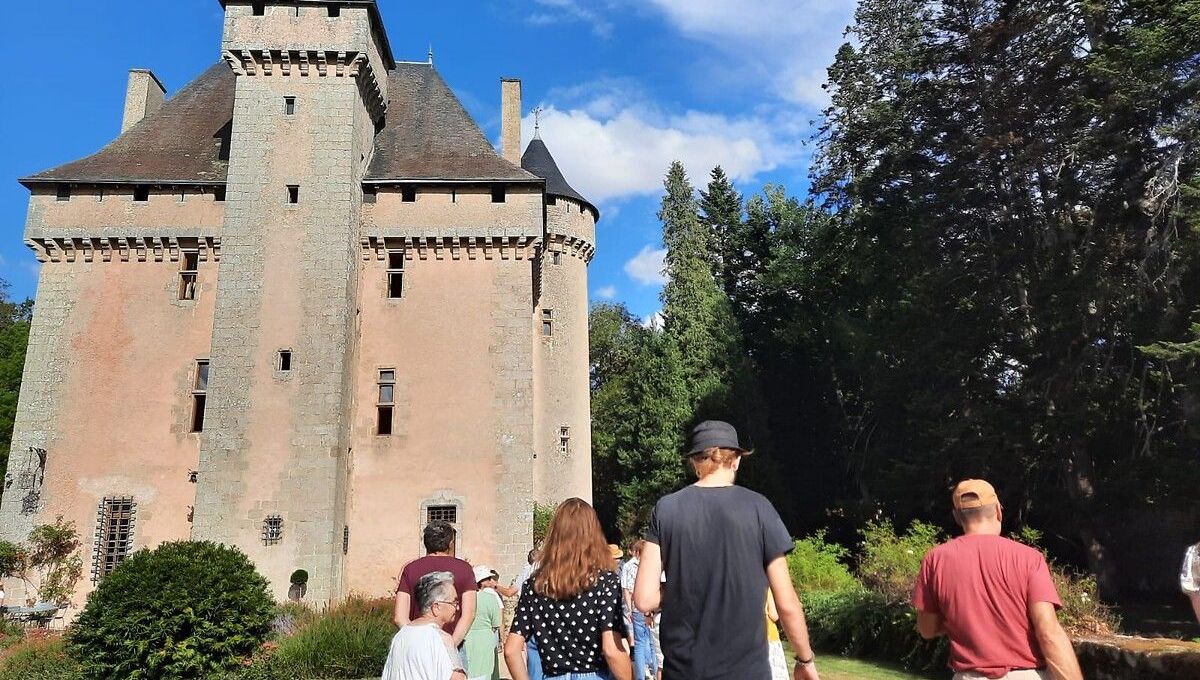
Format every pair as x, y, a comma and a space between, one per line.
442, 513
272, 531
564, 440
114, 534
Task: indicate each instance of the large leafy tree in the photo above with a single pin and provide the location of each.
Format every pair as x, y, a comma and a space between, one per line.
1008, 177
639, 408
14, 337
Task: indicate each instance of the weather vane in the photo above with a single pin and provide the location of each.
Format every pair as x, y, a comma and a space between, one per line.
537, 122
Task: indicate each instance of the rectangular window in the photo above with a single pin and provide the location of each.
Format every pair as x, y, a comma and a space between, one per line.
141, 194
199, 395
259, 8
370, 195
498, 194
335, 11
64, 192
114, 535
386, 401
395, 274
552, 200
556, 257
272, 531
293, 194
547, 322
289, 106
187, 275
442, 513
408, 194
219, 194
564, 440
285, 360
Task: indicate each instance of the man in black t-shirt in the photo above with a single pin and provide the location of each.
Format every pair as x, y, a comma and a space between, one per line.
721, 547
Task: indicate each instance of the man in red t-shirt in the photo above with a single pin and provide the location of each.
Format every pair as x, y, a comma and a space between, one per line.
439, 543
993, 598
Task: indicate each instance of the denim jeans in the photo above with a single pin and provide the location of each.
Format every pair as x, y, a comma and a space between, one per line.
534, 660
643, 649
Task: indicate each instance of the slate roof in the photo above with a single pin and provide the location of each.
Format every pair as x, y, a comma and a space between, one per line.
429, 136
184, 142
537, 159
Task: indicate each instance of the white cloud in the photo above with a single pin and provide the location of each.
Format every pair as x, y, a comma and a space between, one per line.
654, 322
786, 43
647, 266
617, 153
606, 292
554, 12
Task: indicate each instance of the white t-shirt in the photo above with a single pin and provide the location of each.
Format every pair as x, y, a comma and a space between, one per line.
629, 574
421, 652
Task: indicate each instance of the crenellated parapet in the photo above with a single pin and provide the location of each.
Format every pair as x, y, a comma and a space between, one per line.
573, 246
64, 248
511, 247
314, 63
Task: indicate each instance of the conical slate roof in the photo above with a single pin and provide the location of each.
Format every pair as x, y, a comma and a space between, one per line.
429, 136
185, 142
537, 159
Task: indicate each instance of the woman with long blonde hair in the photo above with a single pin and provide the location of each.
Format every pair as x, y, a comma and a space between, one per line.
572, 605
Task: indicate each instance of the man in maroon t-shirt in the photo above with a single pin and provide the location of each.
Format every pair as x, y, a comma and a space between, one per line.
439, 543
993, 598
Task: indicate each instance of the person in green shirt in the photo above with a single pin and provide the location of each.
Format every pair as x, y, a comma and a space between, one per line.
483, 637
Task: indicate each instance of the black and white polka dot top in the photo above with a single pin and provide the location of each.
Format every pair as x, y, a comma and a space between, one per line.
568, 631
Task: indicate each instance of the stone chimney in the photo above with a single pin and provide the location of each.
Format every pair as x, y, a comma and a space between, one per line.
143, 96
510, 119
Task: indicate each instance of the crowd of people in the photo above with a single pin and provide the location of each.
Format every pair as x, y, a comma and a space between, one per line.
703, 594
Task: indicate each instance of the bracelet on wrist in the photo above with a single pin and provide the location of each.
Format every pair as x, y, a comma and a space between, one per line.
805, 662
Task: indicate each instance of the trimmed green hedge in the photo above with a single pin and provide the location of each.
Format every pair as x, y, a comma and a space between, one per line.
182, 610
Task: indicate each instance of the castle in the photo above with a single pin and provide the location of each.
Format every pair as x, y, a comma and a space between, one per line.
304, 307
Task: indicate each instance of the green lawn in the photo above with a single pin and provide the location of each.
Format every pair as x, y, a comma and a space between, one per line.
841, 668
833, 667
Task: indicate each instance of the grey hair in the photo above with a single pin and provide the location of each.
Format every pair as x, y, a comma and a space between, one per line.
433, 587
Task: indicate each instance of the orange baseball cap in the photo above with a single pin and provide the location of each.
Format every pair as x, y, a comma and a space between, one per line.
983, 494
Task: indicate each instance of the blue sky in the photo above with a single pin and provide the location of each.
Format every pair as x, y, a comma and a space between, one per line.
626, 86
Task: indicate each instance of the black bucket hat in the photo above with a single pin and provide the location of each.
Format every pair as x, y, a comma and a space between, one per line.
714, 434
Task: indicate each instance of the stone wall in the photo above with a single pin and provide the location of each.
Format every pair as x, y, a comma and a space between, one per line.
1128, 658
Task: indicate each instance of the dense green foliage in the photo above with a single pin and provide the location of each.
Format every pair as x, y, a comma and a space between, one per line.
818, 565
40, 659
182, 610
865, 624
14, 336
49, 562
350, 640
890, 562
995, 275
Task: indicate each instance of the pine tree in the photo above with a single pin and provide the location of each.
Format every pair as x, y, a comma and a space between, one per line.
721, 215
697, 316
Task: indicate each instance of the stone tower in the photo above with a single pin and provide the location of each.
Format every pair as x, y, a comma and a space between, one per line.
307, 101
303, 307
563, 409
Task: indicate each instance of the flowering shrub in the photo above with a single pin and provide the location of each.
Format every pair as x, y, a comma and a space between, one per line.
889, 562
